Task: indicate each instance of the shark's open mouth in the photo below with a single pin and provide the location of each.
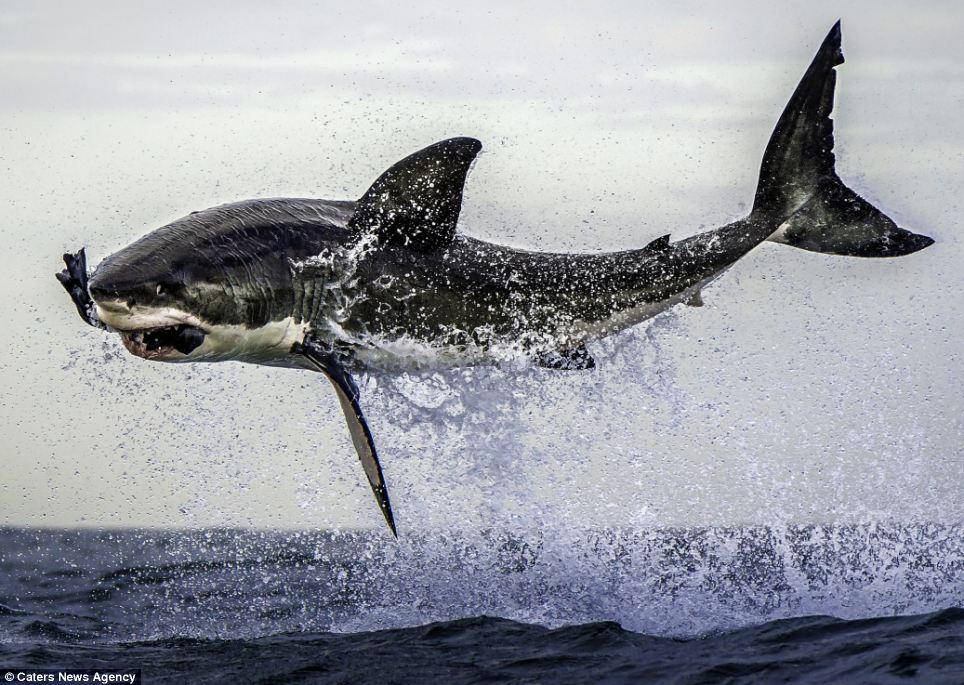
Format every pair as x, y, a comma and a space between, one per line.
151, 343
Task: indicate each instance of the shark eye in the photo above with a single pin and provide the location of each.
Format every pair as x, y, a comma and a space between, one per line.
169, 288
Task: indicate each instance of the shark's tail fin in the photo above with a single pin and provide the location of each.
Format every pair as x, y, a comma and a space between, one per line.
799, 186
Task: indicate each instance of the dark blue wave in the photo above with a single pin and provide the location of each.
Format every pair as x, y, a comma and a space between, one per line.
683, 606
926, 649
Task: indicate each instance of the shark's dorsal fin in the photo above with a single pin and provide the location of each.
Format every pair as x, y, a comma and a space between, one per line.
416, 203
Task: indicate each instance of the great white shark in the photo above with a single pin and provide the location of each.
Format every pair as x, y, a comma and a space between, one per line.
387, 281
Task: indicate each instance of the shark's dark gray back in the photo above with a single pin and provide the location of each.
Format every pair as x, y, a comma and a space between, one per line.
231, 263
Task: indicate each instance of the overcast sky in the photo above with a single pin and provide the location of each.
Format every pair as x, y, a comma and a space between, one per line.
808, 388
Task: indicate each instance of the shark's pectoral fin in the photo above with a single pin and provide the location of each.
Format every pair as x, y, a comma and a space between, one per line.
74, 280
574, 359
416, 203
361, 437
328, 363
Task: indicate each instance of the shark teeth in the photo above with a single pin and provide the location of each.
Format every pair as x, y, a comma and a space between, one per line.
152, 343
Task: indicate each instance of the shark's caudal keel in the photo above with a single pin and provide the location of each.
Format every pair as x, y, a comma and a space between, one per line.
386, 282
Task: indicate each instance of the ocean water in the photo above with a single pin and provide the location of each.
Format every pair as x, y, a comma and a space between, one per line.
868, 603
640, 523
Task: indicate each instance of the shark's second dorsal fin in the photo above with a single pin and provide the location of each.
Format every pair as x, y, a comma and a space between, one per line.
661, 244
416, 202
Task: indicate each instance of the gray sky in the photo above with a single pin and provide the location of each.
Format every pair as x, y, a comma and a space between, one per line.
809, 387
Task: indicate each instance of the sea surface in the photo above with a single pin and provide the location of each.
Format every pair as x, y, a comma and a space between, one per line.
873, 603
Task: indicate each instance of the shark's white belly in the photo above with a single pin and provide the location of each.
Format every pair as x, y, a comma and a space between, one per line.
630, 317
269, 344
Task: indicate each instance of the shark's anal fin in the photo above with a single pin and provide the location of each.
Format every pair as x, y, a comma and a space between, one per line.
574, 359
695, 300
328, 362
74, 280
416, 202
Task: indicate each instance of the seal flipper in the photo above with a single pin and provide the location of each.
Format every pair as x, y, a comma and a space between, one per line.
328, 363
416, 202
74, 280
575, 359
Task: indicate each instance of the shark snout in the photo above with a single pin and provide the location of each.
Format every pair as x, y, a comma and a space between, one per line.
106, 290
